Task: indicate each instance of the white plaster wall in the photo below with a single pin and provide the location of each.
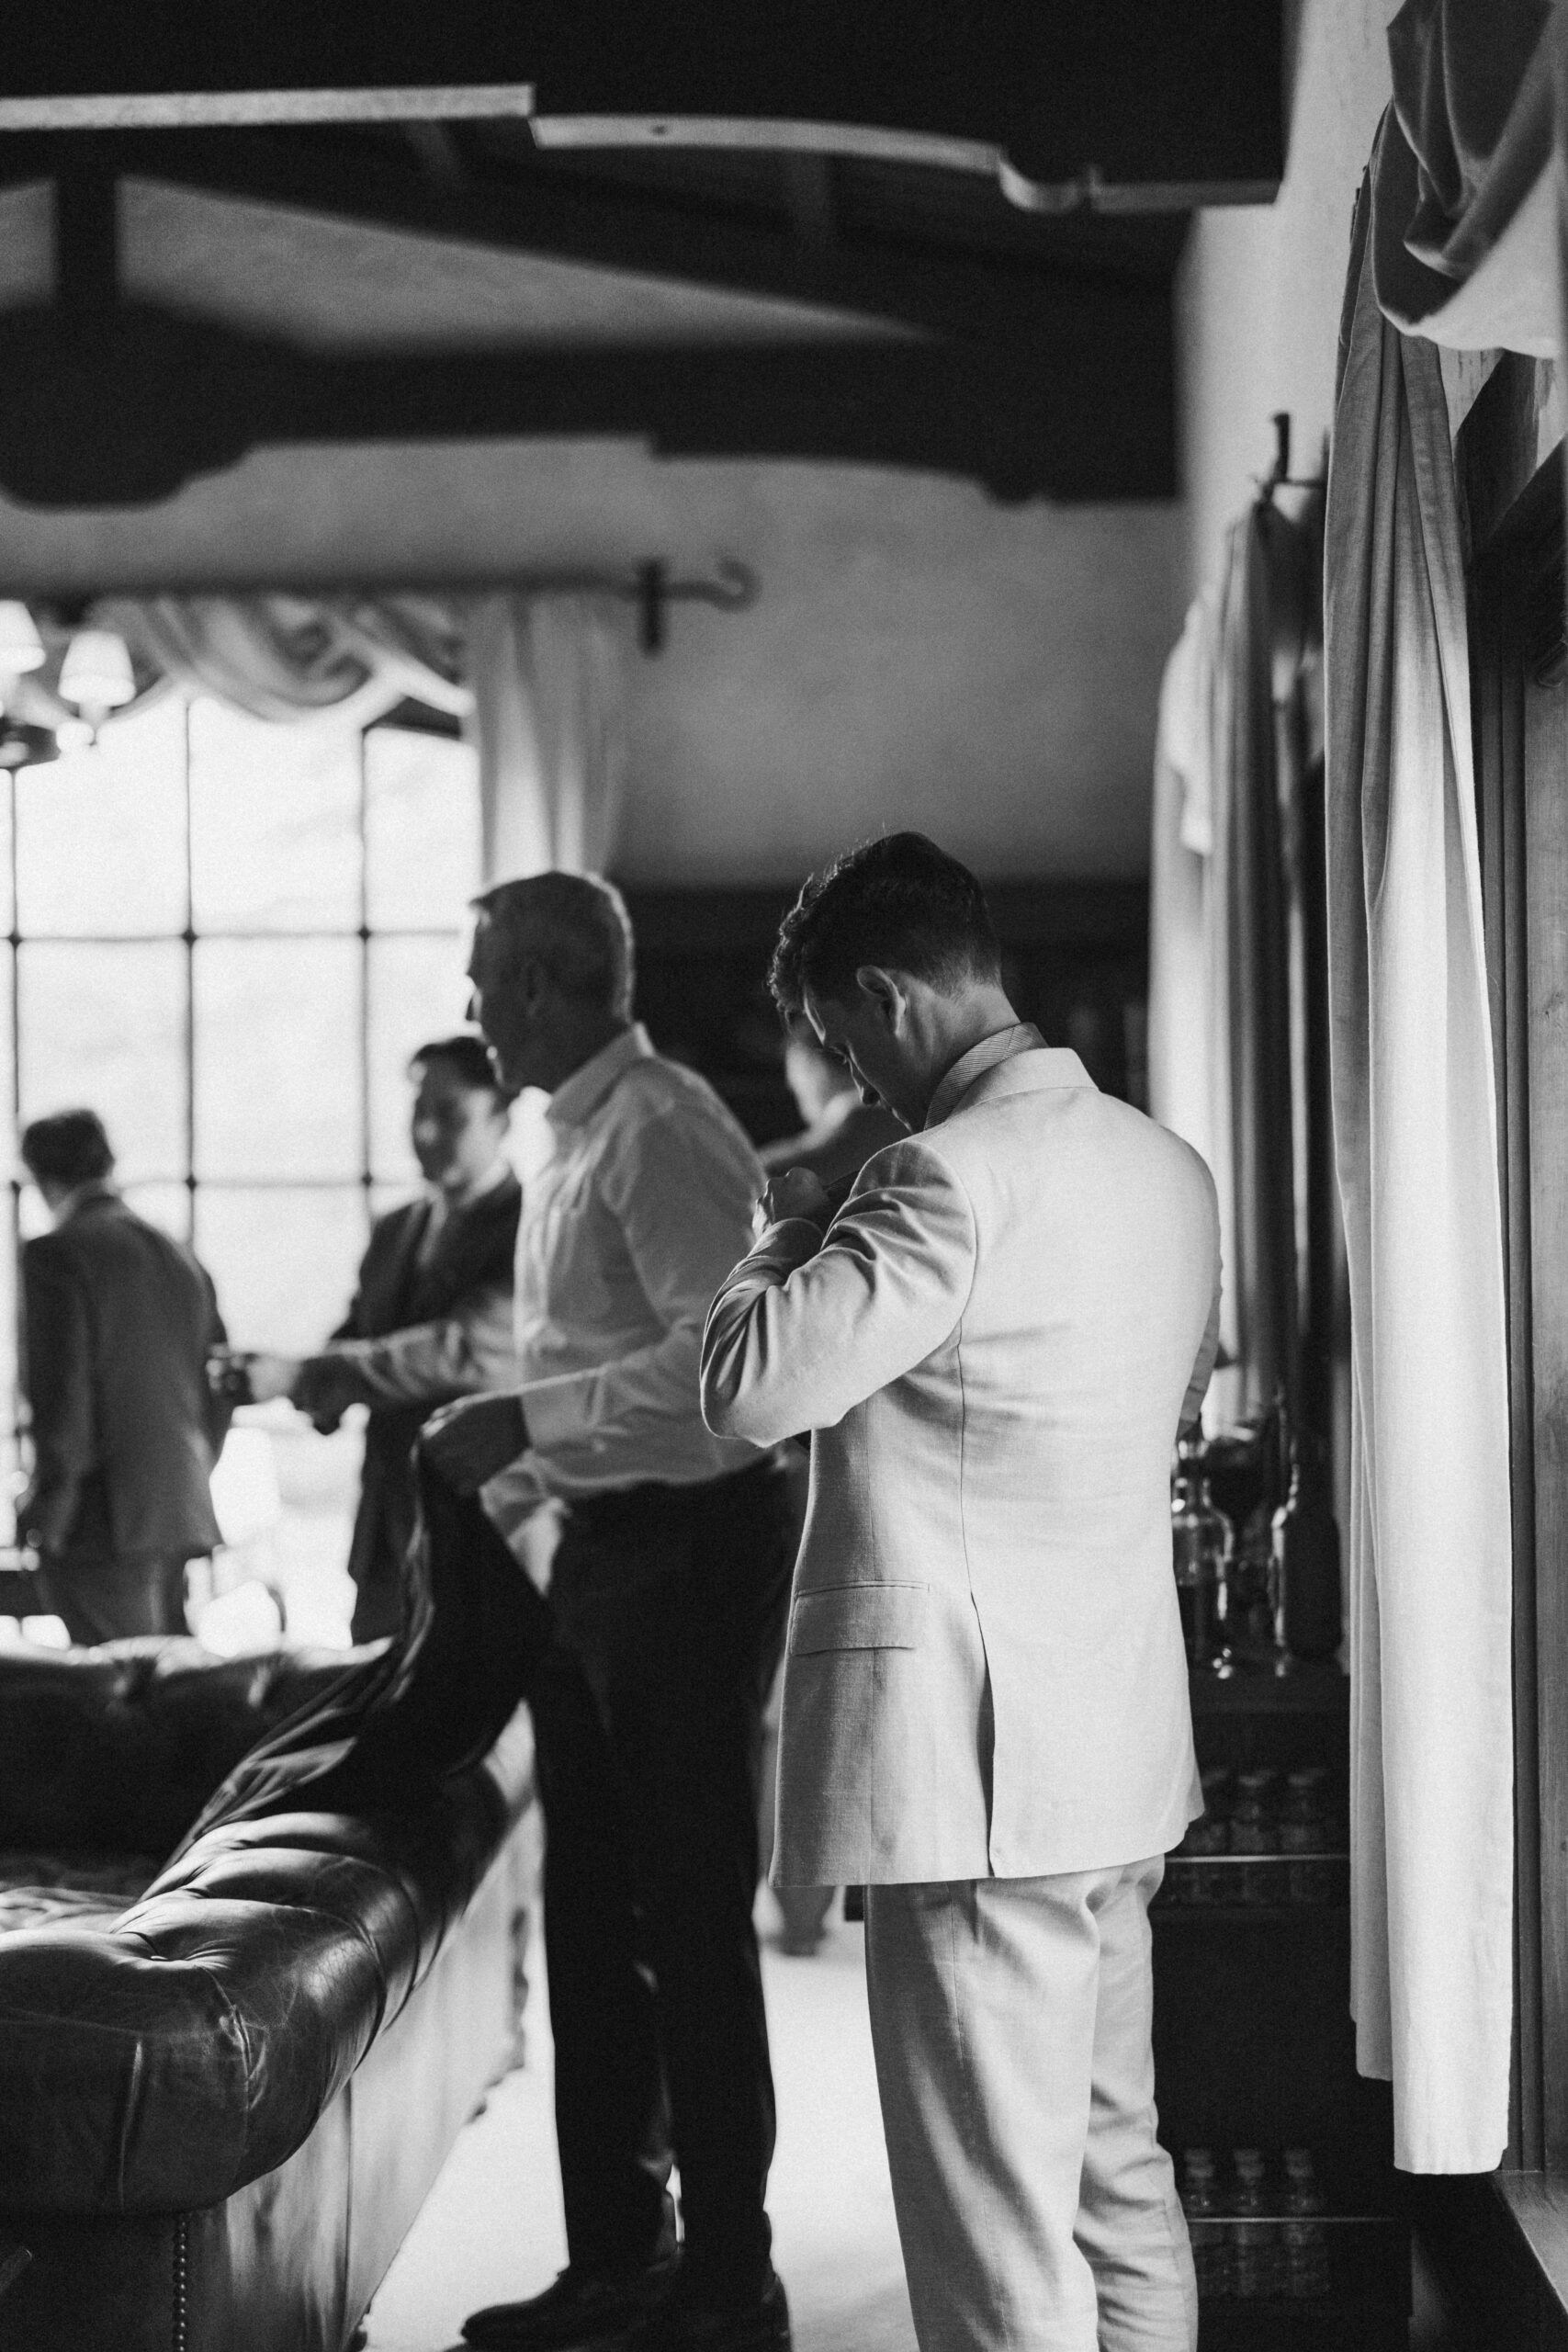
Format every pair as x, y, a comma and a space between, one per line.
918, 655
1260, 289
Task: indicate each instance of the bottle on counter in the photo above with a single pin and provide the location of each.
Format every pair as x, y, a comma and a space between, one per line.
1202, 1544
1305, 2239
1256, 2253
1306, 1537
1255, 1832
1205, 2225
1307, 1836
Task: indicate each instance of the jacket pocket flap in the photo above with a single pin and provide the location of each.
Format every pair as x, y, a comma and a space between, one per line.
859, 1617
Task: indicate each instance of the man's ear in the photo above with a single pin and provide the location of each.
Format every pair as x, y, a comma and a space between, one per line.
885, 992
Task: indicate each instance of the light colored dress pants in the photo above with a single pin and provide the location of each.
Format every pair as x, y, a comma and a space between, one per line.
1011, 2020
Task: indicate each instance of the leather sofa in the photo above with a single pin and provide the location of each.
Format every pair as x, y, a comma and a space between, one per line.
229, 2072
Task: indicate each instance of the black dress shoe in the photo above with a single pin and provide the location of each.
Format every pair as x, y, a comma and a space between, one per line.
580, 2309
683, 2324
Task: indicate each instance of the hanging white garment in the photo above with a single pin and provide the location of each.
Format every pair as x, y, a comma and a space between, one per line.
549, 723
1415, 1141
1179, 1077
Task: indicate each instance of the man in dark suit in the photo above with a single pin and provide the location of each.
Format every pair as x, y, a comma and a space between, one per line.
120, 1321
431, 1318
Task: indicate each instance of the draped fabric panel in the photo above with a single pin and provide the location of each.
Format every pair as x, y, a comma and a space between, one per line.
539, 681
1463, 177
550, 722
286, 658
1415, 1142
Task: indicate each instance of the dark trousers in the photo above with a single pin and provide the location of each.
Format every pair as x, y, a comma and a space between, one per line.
670, 1606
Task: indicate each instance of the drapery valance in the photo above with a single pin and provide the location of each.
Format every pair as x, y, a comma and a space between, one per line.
536, 679
1463, 197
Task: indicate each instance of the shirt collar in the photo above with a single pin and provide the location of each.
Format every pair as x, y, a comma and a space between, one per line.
1019, 1037
82, 1196
577, 1098
447, 1205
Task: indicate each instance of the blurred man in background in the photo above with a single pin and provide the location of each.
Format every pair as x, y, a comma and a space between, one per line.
841, 1131
431, 1318
119, 1323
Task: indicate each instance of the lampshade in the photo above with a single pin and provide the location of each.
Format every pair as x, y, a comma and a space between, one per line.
95, 673
21, 647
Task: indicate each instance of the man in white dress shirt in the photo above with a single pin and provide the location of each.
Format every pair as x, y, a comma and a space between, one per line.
670, 1586
993, 1342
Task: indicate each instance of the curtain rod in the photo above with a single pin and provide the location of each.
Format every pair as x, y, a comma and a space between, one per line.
650, 587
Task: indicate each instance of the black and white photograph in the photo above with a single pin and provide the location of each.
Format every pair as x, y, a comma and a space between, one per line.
783, 1309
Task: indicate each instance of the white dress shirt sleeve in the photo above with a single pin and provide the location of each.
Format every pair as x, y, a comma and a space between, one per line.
800, 1334
681, 1202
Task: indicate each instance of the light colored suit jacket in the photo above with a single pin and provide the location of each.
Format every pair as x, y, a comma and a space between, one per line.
994, 1346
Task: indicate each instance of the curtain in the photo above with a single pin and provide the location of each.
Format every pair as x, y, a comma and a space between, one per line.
539, 681
550, 722
287, 658
1464, 185
1415, 1143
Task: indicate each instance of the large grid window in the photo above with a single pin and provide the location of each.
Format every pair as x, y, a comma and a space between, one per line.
227, 937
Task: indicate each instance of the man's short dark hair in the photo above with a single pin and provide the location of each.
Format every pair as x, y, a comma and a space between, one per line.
468, 1058
577, 927
900, 902
68, 1148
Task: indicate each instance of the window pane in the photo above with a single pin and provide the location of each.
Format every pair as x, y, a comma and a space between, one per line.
422, 830
418, 991
284, 1261
167, 1205
7, 806
274, 823
101, 833
106, 1026
278, 1058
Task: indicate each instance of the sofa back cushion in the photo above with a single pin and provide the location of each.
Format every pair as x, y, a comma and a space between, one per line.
116, 1750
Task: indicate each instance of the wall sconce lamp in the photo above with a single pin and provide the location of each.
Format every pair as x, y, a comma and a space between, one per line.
21, 647
97, 675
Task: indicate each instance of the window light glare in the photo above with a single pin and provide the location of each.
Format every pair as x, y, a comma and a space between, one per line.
21, 647
95, 673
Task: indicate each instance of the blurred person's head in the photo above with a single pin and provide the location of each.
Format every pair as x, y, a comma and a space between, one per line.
814, 1077
891, 955
64, 1151
552, 972
460, 1112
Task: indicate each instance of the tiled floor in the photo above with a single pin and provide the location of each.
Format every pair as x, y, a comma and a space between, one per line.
491, 2229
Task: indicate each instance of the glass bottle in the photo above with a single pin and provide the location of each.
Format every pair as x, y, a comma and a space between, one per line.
1304, 1560
1255, 2240
1201, 1542
1304, 2238
1253, 1832
1205, 2227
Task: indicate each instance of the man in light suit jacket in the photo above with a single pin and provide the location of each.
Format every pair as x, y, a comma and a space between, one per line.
119, 1323
994, 1343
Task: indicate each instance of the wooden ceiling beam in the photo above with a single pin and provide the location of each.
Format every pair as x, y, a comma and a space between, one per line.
121, 409
971, 296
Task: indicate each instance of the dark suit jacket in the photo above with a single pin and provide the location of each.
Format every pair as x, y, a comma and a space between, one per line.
415, 1337
119, 1322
